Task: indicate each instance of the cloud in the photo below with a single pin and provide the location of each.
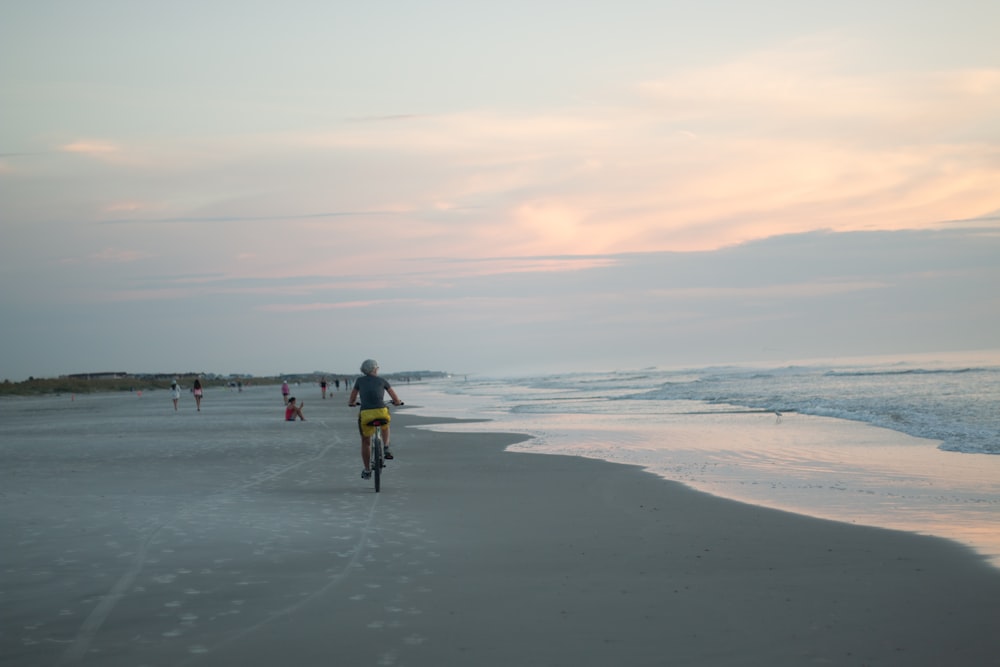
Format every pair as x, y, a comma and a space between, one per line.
826, 87
385, 118
312, 307
90, 147
126, 206
782, 141
119, 255
238, 219
810, 290
453, 268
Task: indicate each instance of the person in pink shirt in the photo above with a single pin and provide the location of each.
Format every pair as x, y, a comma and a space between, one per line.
292, 411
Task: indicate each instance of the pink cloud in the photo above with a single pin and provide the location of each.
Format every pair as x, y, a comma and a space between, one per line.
310, 307
90, 147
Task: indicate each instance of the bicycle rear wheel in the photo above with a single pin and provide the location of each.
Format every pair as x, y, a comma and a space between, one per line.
377, 460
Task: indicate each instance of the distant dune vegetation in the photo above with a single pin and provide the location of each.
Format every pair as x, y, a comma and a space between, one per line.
86, 383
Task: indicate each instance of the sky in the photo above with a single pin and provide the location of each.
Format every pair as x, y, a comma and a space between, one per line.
494, 188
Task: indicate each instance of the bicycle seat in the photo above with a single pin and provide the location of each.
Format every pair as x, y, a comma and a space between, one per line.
377, 422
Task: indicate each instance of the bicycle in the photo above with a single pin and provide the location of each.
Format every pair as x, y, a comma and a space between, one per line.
376, 457
377, 453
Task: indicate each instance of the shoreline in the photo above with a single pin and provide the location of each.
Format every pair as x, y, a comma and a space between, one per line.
821, 467
228, 537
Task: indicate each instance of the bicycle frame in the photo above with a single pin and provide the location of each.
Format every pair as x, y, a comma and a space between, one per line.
377, 453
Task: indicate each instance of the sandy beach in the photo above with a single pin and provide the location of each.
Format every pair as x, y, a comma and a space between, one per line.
134, 535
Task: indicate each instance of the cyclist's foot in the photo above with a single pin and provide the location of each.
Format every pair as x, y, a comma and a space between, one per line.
366, 474
388, 455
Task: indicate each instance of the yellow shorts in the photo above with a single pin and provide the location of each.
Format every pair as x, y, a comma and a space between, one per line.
367, 416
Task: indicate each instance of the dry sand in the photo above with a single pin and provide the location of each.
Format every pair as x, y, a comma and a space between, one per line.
136, 536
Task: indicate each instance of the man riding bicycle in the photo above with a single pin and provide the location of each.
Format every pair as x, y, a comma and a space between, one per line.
372, 389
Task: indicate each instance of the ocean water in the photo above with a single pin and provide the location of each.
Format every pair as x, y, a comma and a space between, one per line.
910, 444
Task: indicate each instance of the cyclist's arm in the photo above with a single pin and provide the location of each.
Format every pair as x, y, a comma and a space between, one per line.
354, 397
392, 393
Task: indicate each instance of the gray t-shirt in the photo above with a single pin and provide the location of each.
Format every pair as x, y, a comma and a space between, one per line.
371, 391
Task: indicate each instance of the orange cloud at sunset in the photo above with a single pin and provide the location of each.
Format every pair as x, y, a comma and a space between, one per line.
776, 142
90, 147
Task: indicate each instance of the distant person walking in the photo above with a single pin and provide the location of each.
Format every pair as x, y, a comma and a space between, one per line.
284, 392
175, 393
322, 386
196, 389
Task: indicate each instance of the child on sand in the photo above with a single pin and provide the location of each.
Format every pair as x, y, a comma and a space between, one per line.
292, 411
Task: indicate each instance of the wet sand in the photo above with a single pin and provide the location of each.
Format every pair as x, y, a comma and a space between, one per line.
136, 536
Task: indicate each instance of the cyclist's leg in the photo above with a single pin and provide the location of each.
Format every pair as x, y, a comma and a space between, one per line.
385, 441
385, 433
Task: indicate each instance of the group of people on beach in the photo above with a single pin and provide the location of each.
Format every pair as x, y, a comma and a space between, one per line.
368, 393
324, 385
